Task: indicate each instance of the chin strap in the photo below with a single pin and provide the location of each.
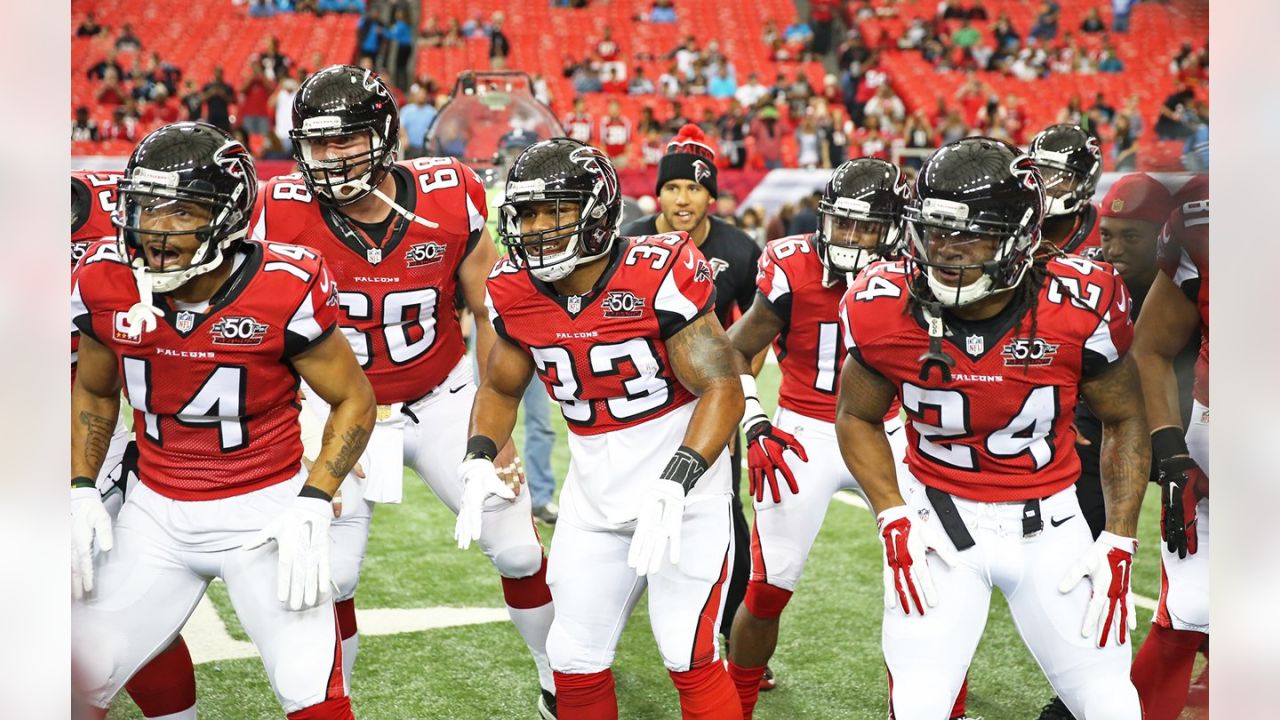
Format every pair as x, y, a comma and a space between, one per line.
402, 212
142, 316
936, 355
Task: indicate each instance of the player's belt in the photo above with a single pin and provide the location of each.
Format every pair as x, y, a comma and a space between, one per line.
949, 516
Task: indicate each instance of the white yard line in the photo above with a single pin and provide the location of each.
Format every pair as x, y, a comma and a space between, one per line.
854, 500
209, 640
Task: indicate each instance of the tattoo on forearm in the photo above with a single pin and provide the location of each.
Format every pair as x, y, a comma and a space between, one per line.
353, 442
702, 355
97, 437
1125, 461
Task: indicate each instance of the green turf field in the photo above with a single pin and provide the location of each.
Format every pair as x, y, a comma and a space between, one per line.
828, 661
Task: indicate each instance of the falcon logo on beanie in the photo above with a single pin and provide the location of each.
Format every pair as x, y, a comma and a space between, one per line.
689, 157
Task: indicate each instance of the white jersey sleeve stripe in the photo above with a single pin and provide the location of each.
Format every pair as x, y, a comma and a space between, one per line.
1100, 341
475, 219
1186, 269
781, 284
671, 300
78, 308
303, 322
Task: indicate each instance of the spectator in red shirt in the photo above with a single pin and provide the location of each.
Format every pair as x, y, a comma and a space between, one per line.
615, 135
111, 93
821, 19
767, 132
162, 109
255, 111
610, 53
577, 124
613, 85
120, 127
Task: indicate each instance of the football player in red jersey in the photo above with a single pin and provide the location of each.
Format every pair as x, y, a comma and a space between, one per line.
623, 333
166, 686
1177, 307
988, 345
1070, 162
402, 241
208, 336
799, 285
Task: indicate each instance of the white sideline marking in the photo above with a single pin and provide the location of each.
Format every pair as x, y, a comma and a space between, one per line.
855, 500
209, 640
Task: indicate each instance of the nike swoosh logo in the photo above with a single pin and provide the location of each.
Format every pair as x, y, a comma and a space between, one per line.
454, 390
689, 262
891, 432
1056, 522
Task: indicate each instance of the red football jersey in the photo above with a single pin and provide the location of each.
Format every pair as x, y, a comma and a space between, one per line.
810, 348
1184, 257
578, 127
398, 298
214, 396
1000, 430
603, 356
94, 195
615, 134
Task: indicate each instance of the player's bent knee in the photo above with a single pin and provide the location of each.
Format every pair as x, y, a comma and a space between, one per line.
519, 561
571, 655
766, 601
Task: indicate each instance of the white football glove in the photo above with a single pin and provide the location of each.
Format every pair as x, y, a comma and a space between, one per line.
907, 580
657, 527
1108, 563
90, 525
480, 481
301, 535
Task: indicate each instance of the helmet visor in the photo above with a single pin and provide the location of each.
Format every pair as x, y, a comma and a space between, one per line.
170, 233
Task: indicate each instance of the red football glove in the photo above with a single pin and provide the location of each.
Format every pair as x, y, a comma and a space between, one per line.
1182, 484
765, 447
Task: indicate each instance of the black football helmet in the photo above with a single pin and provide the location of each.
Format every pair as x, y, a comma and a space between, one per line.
345, 100
173, 168
1070, 162
863, 196
973, 188
563, 171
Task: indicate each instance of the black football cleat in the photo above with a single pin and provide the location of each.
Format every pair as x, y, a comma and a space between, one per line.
767, 681
1056, 710
547, 706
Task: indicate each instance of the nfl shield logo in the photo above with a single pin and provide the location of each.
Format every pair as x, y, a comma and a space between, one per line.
185, 321
974, 345
374, 255
575, 304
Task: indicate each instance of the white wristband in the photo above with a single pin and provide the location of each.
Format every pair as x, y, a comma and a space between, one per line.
754, 412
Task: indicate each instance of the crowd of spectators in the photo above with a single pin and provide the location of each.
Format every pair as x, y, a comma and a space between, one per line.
757, 122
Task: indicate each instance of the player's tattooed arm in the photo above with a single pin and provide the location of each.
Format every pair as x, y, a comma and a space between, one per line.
95, 405
493, 413
472, 274
757, 328
705, 362
1166, 324
331, 370
1115, 396
864, 399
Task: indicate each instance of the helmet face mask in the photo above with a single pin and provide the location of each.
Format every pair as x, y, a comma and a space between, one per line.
550, 253
975, 222
562, 208
1070, 161
345, 130
860, 216
185, 199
